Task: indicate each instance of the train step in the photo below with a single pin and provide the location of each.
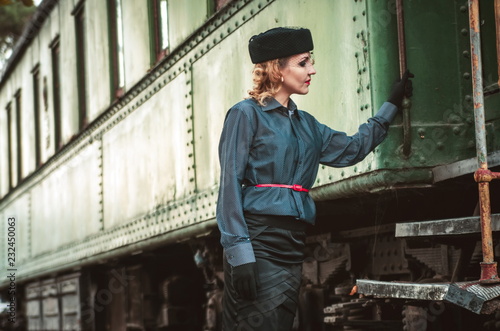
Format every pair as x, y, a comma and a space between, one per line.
472, 295
445, 228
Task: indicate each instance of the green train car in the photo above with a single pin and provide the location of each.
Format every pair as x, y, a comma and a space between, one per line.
110, 116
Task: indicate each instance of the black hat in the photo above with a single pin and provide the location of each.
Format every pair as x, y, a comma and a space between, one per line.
278, 43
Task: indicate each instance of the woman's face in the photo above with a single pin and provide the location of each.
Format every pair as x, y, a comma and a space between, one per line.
297, 74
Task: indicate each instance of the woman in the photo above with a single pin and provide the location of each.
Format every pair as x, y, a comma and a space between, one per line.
269, 154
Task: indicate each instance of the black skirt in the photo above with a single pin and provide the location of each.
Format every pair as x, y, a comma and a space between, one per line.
279, 253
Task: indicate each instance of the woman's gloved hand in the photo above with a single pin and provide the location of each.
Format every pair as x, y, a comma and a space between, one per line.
403, 87
245, 280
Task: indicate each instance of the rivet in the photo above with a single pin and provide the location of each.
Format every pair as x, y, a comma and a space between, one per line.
421, 133
464, 32
466, 75
466, 54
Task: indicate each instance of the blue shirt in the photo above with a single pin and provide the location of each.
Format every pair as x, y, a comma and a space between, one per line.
273, 144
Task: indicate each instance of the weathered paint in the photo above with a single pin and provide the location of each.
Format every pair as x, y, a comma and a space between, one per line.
489, 272
445, 227
399, 290
477, 83
455, 169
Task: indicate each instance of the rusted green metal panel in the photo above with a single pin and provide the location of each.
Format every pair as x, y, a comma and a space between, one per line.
438, 52
442, 127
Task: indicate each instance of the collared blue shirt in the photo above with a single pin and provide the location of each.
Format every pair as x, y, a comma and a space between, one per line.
270, 145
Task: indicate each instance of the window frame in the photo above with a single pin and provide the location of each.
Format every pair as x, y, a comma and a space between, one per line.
8, 108
81, 67
116, 56
158, 52
35, 72
19, 138
55, 51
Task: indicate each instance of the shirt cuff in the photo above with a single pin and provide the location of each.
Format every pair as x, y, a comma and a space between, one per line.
239, 254
388, 111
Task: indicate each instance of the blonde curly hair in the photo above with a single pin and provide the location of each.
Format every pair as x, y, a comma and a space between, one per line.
267, 79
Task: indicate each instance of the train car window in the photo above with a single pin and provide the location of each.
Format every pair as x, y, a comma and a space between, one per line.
116, 53
213, 6
36, 113
56, 90
9, 145
159, 29
220, 3
164, 24
79, 14
19, 136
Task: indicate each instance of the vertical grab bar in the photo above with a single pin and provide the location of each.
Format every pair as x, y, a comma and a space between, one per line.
406, 105
483, 176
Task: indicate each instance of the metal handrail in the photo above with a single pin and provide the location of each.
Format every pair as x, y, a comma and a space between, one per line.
483, 176
406, 105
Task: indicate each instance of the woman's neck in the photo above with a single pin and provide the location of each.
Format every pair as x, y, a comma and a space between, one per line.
282, 98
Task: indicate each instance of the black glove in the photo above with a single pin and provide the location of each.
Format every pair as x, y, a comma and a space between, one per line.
402, 87
245, 280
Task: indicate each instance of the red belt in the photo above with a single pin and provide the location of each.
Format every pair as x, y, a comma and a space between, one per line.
294, 187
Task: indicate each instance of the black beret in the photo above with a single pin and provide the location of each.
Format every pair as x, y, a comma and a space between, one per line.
278, 43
